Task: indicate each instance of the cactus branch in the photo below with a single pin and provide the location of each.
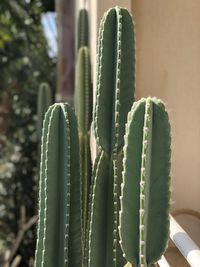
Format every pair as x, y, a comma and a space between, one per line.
144, 216
59, 228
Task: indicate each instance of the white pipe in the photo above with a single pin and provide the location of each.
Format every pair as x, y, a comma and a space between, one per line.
184, 243
163, 262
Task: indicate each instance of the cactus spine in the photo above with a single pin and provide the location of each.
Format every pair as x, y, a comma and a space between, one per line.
114, 98
82, 28
144, 216
83, 107
43, 103
59, 228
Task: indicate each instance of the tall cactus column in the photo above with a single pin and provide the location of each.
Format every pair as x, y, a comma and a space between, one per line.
83, 39
44, 100
83, 107
114, 98
59, 228
144, 216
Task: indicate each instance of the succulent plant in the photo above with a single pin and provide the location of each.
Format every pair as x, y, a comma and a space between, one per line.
83, 108
83, 90
144, 216
82, 28
114, 98
44, 101
108, 220
59, 228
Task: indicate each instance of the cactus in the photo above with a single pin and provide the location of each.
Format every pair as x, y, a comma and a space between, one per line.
83, 90
44, 101
59, 228
144, 216
82, 28
111, 238
115, 95
83, 107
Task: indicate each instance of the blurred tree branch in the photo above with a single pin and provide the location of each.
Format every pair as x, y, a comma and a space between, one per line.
23, 227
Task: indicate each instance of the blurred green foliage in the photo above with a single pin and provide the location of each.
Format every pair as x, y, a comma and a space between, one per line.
24, 64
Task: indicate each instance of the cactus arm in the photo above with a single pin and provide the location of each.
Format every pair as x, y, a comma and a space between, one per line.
75, 236
129, 215
40, 230
83, 91
103, 245
79, 99
87, 172
57, 190
86, 166
160, 173
98, 220
88, 89
113, 101
145, 188
83, 106
94, 171
44, 100
82, 28
60, 205
109, 118
98, 64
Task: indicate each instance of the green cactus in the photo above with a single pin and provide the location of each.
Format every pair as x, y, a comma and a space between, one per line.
144, 216
83, 90
82, 28
43, 103
114, 98
83, 107
59, 228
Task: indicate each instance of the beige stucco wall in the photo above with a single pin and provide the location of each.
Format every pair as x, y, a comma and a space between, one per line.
168, 66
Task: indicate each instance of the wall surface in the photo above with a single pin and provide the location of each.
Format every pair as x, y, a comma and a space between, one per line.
168, 66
